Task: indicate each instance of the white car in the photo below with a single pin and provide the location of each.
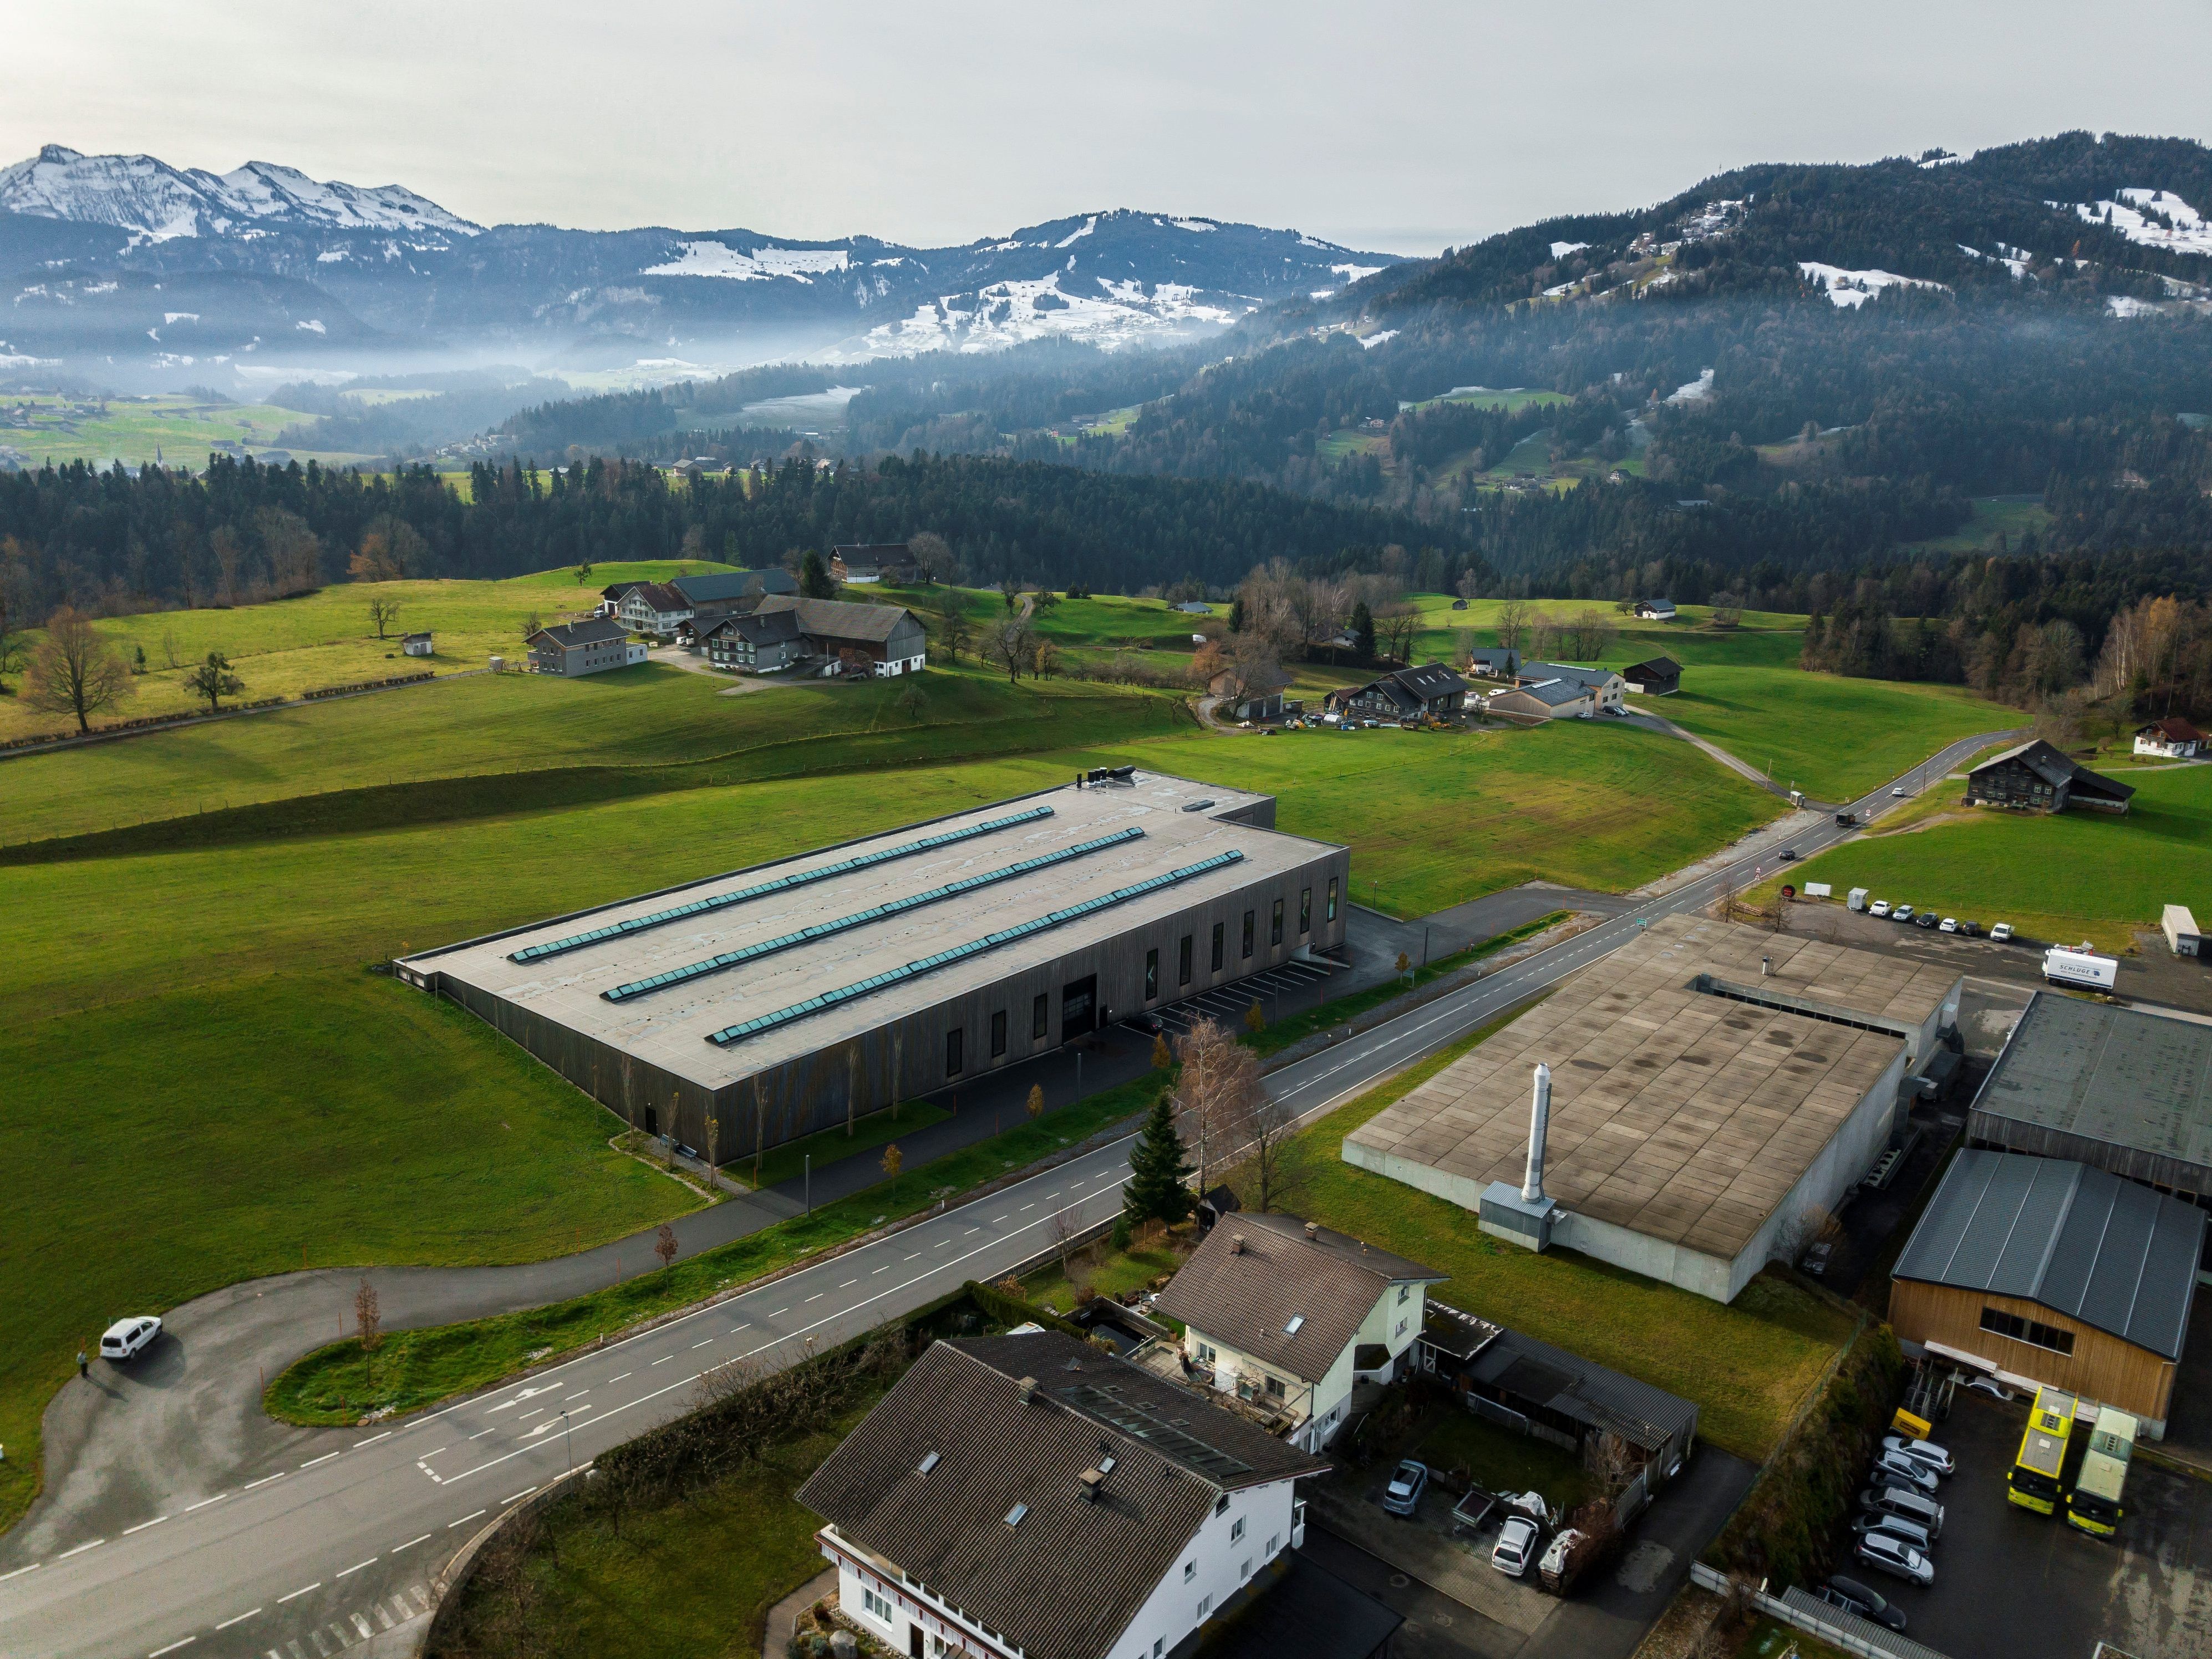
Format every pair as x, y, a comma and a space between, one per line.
2001, 932
1921, 1451
1901, 912
1879, 907
126, 1339
1516, 1547
1892, 1554
1898, 791
1948, 924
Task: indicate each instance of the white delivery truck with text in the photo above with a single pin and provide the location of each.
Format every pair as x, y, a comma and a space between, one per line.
2080, 966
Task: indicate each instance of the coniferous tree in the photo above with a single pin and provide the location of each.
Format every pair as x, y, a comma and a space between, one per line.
1158, 1170
814, 581
1363, 630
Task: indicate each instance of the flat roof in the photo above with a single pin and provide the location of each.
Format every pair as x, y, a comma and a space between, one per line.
2128, 1079
2099, 1249
1679, 1110
1074, 847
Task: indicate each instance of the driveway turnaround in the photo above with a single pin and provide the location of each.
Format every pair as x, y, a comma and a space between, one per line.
240, 1536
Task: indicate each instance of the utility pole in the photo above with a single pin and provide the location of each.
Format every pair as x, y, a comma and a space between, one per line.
808, 1189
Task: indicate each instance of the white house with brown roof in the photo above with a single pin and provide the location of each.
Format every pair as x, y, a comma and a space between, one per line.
1288, 1314
656, 608
1028, 1497
2172, 738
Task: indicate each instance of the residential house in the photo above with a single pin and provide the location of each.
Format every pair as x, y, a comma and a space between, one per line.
1288, 1314
1494, 662
1029, 1496
1661, 677
880, 561
2037, 777
818, 635
1605, 686
1655, 610
590, 647
2173, 737
1406, 694
418, 645
1195, 608
656, 608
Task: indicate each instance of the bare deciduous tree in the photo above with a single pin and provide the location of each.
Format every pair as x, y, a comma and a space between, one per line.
384, 614
75, 671
1513, 623
1217, 1092
1010, 642
664, 1243
368, 1320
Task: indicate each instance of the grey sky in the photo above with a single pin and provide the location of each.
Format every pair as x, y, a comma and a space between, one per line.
1399, 126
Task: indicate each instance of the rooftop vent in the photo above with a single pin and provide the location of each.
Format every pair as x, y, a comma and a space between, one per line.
926, 1464
1014, 1515
1291, 1329
1092, 1480
1025, 1390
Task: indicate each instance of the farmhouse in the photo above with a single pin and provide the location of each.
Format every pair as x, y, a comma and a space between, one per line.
2174, 739
1027, 1497
823, 636
788, 997
2037, 777
1605, 686
418, 645
1497, 662
2111, 1087
1654, 609
733, 587
1661, 677
1288, 1315
656, 608
2044, 1270
880, 561
1709, 1086
590, 647
1406, 694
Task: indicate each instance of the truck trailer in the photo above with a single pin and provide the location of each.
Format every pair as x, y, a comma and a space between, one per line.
2083, 968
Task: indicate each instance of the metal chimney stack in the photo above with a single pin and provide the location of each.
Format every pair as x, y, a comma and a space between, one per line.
1539, 1119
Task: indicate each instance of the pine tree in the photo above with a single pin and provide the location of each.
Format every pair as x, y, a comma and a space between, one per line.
1156, 1169
1363, 630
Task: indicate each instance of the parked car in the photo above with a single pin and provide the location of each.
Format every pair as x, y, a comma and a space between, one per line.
1990, 1385
1150, 1024
1903, 1471
1948, 924
1816, 1258
1894, 1526
1516, 1547
1921, 1451
126, 1339
1970, 929
1893, 1555
1900, 913
2001, 932
1879, 907
1407, 1482
1925, 919
1906, 1504
1864, 1600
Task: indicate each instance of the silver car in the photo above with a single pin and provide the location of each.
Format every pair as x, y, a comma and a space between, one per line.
1921, 1451
1894, 1555
1898, 1469
1407, 1482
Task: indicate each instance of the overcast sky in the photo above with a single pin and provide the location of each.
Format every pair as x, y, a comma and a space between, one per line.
1402, 127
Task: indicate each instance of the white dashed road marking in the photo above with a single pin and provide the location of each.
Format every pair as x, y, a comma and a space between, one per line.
239, 1619
410, 1544
300, 1592
465, 1519
358, 1566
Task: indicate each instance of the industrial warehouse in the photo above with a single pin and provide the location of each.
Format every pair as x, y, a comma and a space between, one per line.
782, 998
1715, 1086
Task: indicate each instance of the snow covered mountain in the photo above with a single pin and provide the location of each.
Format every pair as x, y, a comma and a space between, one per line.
154, 200
128, 265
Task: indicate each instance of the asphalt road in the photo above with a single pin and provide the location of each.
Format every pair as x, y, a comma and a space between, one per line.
297, 1542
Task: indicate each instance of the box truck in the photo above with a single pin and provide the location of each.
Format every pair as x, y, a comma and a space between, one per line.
2085, 968
1858, 899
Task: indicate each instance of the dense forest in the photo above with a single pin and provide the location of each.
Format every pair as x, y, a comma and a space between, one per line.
114, 542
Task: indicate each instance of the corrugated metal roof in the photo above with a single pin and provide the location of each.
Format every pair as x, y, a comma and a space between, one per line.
593, 630
722, 585
1584, 1389
2098, 1249
2054, 767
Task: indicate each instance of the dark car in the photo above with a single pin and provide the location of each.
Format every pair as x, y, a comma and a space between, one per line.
1845, 821
1789, 856
1926, 919
1150, 1024
1970, 929
1864, 1600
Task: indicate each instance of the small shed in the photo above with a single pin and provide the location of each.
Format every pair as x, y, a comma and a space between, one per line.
2180, 927
1658, 610
417, 645
1661, 677
1216, 1204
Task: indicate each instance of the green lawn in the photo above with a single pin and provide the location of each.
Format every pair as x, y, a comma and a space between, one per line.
181, 430
214, 1130
2009, 516
2079, 875
1501, 1460
789, 1162
1834, 738
1747, 1365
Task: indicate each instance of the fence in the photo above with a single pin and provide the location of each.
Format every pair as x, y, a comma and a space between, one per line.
1816, 1618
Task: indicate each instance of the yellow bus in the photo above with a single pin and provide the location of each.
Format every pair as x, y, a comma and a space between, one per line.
2034, 1478
2094, 1505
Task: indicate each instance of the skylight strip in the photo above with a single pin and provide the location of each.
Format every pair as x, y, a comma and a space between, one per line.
815, 1005
860, 918
781, 884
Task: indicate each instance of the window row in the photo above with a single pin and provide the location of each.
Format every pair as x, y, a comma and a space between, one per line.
2027, 1330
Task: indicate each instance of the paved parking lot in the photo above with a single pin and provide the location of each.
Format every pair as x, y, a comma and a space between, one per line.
2013, 1585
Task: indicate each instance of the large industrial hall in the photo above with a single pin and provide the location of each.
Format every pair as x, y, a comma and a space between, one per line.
1709, 1086
779, 999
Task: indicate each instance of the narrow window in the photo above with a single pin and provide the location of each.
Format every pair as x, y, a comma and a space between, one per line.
1152, 974
1037, 1017
1189, 1570
1221, 1505
1275, 924
1248, 933
1236, 1526
997, 1034
952, 1053
1182, 961
1404, 1291
1331, 898
1219, 928
1305, 912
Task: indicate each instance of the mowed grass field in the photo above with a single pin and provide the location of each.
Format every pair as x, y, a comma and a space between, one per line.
1747, 1364
325, 639
180, 430
2075, 876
